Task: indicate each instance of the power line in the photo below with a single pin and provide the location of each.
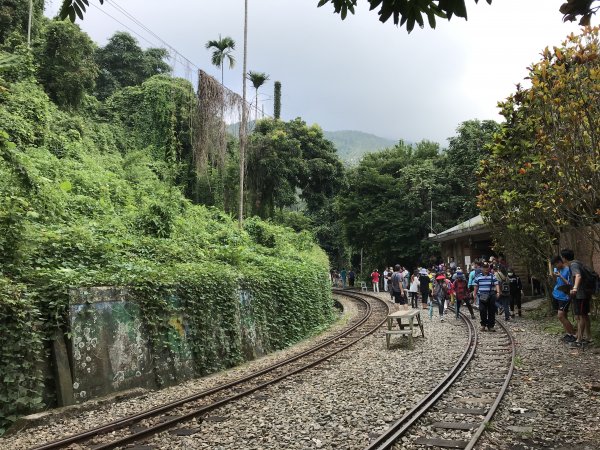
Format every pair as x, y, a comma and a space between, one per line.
131, 17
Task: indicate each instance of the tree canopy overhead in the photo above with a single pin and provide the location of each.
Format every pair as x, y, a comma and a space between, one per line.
409, 12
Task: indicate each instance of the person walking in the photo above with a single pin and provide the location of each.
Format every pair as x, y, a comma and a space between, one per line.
486, 290
396, 287
462, 294
375, 280
516, 293
440, 294
561, 297
343, 275
386, 275
351, 277
504, 298
424, 287
582, 297
413, 290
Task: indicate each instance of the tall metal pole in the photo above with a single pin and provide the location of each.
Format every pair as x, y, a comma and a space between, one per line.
244, 123
29, 23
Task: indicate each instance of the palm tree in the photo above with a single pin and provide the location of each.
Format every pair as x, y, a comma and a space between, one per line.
257, 79
222, 50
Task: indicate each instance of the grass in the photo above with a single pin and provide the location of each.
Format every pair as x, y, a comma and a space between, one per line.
518, 362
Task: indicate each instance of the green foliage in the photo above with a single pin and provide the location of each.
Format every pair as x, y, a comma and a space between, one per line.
95, 198
20, 350
66, 65
544, 171
386, 208
14, 17
223, 49
409, 12
277, 100
287, 158
123, 63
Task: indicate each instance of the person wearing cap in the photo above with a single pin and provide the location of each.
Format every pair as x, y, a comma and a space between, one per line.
486, 290
461, 292
440, 293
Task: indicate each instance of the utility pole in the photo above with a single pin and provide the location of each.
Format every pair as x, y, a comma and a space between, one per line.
29, 24
244, 123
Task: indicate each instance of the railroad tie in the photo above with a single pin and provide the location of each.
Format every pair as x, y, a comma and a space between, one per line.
469, 411
455, 425
444, 443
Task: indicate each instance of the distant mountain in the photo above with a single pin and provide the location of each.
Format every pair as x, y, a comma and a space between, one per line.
352, 145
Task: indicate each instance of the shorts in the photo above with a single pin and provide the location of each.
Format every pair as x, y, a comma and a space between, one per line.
560, 305
399, 298
581, 306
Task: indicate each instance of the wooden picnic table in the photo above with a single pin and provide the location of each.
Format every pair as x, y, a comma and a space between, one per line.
406, 328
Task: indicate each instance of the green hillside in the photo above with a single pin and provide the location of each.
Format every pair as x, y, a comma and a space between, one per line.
352, 145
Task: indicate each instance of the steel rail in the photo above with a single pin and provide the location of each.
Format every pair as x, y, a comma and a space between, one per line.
494, 407
399, 428
127, 421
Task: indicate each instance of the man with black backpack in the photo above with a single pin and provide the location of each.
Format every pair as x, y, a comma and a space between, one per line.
504, 296
516, 292
584, 285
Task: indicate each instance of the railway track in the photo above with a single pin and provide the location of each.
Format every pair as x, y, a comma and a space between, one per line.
181, 416
457, 411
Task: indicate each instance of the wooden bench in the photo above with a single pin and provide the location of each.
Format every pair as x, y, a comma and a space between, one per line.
405, 329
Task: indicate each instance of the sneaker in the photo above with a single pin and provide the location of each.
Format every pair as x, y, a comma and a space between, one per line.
483, 328
569, 338
576, 344
472, 317
587, 341
492, 329
507, 319
442, 319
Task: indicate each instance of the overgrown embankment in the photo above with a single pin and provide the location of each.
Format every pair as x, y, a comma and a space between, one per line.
87, 199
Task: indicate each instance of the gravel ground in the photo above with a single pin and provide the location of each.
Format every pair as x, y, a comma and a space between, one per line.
553, 400
91, 414
339, 405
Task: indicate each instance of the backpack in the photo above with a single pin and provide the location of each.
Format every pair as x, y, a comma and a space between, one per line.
504, 287
460, 289
591, 280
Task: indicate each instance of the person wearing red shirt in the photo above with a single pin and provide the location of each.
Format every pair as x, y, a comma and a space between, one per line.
375, 279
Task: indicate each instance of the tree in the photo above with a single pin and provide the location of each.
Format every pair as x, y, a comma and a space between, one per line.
222, 50
14, 17
277, 100
257, 79
67, 69
543, 176
124, 63
409, 12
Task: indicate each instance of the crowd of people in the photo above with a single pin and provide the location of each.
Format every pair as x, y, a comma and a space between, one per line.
489, 284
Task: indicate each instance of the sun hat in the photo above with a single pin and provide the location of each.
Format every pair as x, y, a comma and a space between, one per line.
423, 271
440, 277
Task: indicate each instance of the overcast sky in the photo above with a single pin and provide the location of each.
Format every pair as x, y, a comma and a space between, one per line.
357, 74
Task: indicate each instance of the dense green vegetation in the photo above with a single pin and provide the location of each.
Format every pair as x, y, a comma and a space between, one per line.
98, 191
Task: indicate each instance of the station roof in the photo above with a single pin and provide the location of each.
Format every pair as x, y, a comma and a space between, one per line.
469, 227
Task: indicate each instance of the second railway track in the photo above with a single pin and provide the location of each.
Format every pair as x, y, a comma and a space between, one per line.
175, 415
457, 411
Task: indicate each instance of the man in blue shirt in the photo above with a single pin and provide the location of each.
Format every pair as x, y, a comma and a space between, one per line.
561, 298
486, 290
